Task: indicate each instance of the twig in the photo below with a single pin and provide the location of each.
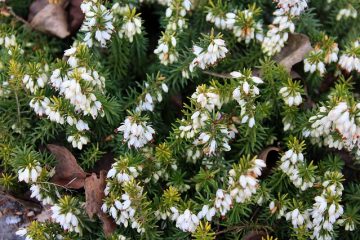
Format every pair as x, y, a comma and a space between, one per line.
18, 106
220, 75
20, 19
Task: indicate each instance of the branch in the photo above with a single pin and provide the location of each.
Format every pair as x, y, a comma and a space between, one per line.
20, 19
220, 75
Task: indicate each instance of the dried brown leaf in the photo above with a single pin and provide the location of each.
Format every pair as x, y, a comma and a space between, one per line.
45, 215
94, 193
67, 172
264, 153
51, 19
295, 51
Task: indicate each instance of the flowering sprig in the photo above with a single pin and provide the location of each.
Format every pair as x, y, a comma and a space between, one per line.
211, 50
36, 78
67, 212
246, 24
166, 49
175, 14
77, 85
350, 59
136, 132
151, 93
348, 12
218, 14
325, 52
98, 25
123, 195
327, 208
278, 33
294, 166
130, 24
245, 94
241, 186
291, 93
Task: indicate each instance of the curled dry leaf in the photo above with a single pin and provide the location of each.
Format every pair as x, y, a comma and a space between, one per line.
295, 51
269, 159
67, 172
94, 193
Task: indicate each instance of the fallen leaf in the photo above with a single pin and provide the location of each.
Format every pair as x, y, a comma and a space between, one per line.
264, 153
51, 19
35, 7
295, 50
67, 172
94, 193
270, 162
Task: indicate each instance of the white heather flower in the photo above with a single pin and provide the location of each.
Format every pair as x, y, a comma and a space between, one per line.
209, 56
207, 97
131, 25
245, 94
327, 209
282, 25
30, 173
207, 213
36, 192
68, 220
187, 221
97, 24
166, 49
296, 217
136, 132
175, 13
8, 41
349, 12
223, 202
39, 105
350, 60
245, 26
78, 140
220, 20
290, 97
22, 232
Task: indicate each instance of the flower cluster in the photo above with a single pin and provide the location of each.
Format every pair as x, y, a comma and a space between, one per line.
98, 25
337, 126
217, 14
187, 221
292, 164
135, 131
350, 59
40, 195
327, 208
278, 34
67, 213
176, 22
119, 204
37, 77
8, 41
214, 51
166, 49
246, 25
175, 14
131, 24
291, 93
30, 173
77, 85
325, 52
245, 94
152, 93
349, 12
298, 218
